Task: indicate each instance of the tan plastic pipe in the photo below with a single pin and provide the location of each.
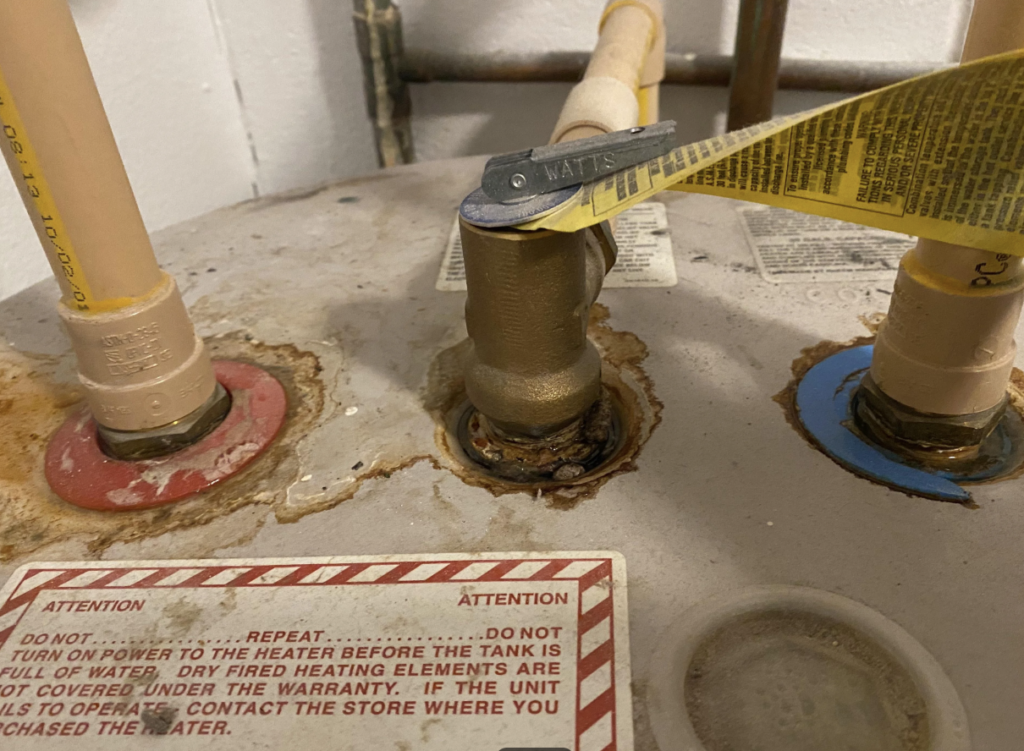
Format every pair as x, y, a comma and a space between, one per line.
619, 89
947, 345
139, 358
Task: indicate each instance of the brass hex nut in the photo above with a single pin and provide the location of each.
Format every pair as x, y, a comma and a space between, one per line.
899, 426
150, 444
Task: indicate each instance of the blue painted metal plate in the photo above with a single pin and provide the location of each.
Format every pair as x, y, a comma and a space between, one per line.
823, 401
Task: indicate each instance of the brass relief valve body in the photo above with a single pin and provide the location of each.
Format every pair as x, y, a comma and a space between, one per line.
532, 376
539, 410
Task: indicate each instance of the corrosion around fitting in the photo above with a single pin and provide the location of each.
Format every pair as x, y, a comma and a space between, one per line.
136, 445
531, 371
569, 453
946, 347
927, 438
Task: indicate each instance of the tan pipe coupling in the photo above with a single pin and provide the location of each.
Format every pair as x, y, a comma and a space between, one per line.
142, 366
620, 87
947, 348
532, 371
653, 71
596, 106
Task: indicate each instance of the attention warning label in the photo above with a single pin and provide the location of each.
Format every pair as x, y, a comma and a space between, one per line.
427, 652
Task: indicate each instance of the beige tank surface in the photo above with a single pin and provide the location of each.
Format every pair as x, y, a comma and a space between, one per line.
333, 292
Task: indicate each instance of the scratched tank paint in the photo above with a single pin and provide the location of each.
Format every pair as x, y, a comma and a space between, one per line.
336, 288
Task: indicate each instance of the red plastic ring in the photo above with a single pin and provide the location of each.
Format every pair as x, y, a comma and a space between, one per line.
79, 472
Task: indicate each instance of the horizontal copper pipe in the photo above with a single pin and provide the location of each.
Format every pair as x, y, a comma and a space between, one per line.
841, 76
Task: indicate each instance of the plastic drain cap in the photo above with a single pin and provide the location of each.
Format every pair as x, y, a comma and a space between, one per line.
782, 668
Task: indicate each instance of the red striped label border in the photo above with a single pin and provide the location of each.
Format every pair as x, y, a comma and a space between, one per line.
596, 715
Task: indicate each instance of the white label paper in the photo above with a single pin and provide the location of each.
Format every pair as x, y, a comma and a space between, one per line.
455, 652
790, 246
645, 252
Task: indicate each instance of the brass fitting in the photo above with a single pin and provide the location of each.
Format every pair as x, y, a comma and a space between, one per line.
135, 445
531, 371
924, 437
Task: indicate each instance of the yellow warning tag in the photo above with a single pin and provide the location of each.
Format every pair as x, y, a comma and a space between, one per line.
28, 173
940, 156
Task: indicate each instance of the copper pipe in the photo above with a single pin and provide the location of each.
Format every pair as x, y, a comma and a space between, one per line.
840, 76
755, 73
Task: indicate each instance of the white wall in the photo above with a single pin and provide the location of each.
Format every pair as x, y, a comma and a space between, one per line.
215, 101
301, 85
168, 92
455, 119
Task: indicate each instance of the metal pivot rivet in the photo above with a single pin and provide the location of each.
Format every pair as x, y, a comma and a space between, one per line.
518, 181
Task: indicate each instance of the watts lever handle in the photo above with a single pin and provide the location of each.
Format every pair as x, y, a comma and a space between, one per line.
525, 174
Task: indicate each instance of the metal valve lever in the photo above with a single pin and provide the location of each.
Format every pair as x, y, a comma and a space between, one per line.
525, 174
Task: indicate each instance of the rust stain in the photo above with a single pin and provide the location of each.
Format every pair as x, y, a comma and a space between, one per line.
809, 357
38, 395
179, 618
1016, 394
622, 375
159, 721
425, 728
32, 517
872, 322
381, 470
643, 733
35, 403
33, 399
504, 529
144, 680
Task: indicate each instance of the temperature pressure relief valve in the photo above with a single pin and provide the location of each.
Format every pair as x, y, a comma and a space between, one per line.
534, 379
539, 411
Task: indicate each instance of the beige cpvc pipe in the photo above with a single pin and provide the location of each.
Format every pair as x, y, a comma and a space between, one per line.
619, 89
946, 347
141, 363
